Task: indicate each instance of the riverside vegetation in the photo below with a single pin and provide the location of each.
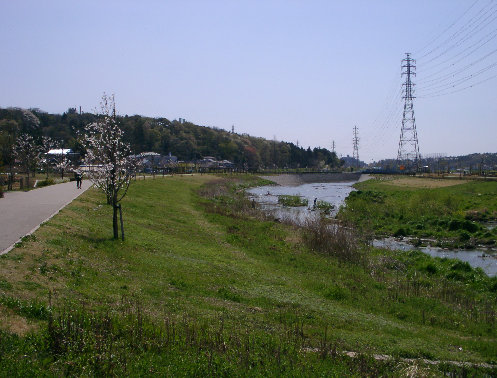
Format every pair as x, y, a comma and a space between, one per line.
448, 213
205, 284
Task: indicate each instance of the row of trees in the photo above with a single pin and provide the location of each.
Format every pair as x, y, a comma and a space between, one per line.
102, 141
187, 141
25, 152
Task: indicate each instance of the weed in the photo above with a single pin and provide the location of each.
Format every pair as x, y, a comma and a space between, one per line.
292, 201
332, 239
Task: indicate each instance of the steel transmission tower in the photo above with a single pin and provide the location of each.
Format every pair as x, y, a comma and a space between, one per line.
408, 155
355, 141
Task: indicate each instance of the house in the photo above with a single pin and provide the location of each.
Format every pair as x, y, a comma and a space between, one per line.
151, 161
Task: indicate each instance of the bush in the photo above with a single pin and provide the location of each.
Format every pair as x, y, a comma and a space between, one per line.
292, 201
461, 266
46, 182
464, 235
400, 232
431, 268
332, 239
458, 224
336, 293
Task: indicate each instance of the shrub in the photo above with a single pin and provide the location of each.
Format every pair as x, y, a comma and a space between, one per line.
400, 232
332, 239
292, 201
46, 182
431, 268
464, 235
336, 293
461, 266
324, 206
458, 224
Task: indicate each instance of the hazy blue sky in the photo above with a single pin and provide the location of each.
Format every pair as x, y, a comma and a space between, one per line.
305, 71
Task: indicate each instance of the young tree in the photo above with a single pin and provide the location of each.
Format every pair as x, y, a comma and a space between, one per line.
28, 153
9, 130
108, 157
47, 144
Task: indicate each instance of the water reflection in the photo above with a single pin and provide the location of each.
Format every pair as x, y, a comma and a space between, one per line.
334, 193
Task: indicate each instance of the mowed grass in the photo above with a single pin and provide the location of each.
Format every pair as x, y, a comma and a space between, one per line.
247, 276
422, 182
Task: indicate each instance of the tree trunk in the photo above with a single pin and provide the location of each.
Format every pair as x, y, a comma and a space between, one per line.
114, 220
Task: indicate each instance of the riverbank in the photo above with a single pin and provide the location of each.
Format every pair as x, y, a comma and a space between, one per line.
204, 283
452, 212
309, 178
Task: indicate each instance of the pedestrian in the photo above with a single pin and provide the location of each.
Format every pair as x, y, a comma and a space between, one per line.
79, 179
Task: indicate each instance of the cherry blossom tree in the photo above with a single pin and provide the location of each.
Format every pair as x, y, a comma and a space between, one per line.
47, 144
108, 157
28, 153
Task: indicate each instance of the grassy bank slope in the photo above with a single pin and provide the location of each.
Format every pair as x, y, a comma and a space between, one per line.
194, 291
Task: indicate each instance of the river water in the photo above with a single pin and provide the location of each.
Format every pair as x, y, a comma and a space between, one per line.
335, 194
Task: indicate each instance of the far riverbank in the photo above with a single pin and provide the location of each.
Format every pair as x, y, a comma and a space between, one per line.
309, 178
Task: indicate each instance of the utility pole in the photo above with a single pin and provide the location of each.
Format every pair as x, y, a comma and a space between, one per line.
408, 144
232, 129
333, 146
355, 142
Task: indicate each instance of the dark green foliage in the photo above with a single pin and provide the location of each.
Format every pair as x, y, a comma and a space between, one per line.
46, 182
34, 310
430, 268
229, 295
461, 266
187, 141
400, 232
460, 224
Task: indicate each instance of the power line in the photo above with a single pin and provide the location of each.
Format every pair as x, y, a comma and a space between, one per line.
469, 24
448, 28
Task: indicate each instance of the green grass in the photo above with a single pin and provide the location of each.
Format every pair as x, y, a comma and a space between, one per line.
452, 216
230, 282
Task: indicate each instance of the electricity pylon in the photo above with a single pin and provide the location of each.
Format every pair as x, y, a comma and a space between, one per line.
355, 141
408, 156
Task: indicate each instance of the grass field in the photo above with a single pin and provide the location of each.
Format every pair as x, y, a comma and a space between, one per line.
420, 182
203, 284
451, 212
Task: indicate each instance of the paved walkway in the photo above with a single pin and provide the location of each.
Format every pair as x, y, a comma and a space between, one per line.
21, 213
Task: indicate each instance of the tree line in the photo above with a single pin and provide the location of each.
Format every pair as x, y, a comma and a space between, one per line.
187, 141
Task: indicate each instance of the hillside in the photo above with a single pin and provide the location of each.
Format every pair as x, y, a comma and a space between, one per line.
187, 141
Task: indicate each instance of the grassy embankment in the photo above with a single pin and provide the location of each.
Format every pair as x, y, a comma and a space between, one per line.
450, 212
205, 285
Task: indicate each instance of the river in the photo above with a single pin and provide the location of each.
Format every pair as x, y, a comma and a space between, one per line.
335, 193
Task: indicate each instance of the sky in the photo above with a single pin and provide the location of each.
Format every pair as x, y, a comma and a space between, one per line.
303, 71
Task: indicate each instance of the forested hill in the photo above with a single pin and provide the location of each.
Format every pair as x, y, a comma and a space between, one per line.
186, 140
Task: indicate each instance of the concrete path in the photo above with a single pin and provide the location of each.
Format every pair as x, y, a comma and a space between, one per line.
21, 213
